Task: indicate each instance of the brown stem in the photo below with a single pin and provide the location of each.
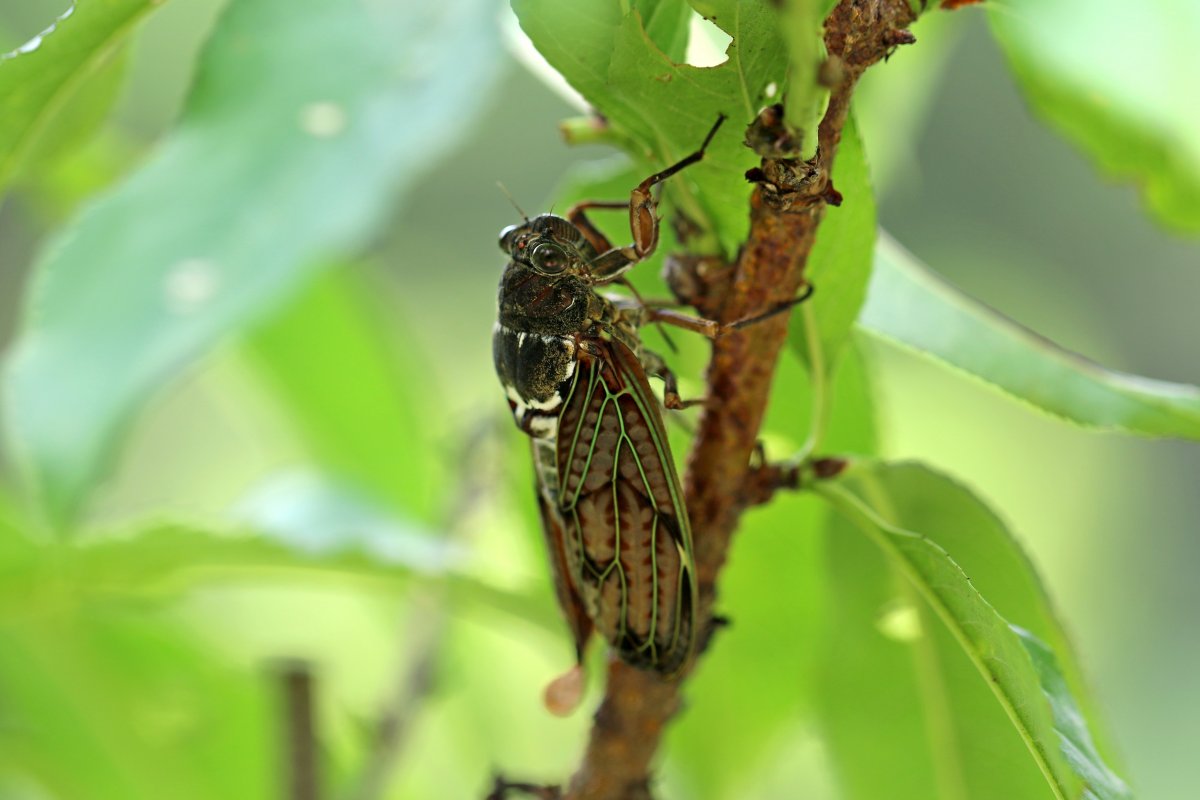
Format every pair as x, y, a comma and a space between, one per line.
786, 208
301, 759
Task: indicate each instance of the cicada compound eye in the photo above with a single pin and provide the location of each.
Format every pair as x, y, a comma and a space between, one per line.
548, 258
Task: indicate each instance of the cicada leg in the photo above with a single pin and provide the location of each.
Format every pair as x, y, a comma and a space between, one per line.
656, 366
643, 219
712, 329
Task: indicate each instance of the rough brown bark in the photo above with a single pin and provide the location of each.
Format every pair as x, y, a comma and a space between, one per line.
786, 208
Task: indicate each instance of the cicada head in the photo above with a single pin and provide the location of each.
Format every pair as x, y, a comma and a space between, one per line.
550, 246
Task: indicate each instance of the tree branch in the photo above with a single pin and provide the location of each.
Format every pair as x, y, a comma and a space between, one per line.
786, 208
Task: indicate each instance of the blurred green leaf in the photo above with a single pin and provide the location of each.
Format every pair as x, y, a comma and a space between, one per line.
666, 107
361, 397
874, 499
1115, 95
772, 592
909, 305
892, 103
78, 120
291, 145
839, 265
90, 633
108, 703
318, 516
126, 709
168, 560
59, 84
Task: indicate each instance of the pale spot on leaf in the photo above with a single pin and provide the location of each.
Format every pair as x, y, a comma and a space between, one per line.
323, 120
190, 285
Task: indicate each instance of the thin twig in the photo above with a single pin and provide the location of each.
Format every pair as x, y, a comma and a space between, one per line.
301, 779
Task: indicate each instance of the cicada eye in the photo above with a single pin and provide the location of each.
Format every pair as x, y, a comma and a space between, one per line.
548, 258
507, 236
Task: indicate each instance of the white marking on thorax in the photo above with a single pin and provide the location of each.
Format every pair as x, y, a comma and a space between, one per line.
523, 404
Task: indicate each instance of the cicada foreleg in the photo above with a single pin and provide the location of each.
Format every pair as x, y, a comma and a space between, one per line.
643, 219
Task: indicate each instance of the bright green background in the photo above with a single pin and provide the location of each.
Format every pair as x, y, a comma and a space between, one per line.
971, 184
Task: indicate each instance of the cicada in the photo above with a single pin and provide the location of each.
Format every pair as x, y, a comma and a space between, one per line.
575, 373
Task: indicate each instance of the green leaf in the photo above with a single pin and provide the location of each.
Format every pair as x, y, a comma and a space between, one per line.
892, 102
879, 499
666, 24
664, 107
310, 533
909, 305
104, 697
838, 269
314, 515
290, 148
39, 80
805, 99
106, 705
952, 516
1069, 720
949, 514
839, 265
77, 122
896, 692
773, 595
1119, 98
360, 394
167, 560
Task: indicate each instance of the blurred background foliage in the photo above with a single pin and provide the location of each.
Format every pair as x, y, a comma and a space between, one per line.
346, 412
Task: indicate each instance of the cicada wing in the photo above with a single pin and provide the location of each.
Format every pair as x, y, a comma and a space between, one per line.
620, 498
564, 568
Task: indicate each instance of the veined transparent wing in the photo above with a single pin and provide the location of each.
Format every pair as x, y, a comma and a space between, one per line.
627, 537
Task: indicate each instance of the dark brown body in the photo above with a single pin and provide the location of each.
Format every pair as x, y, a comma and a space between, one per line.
615, 520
